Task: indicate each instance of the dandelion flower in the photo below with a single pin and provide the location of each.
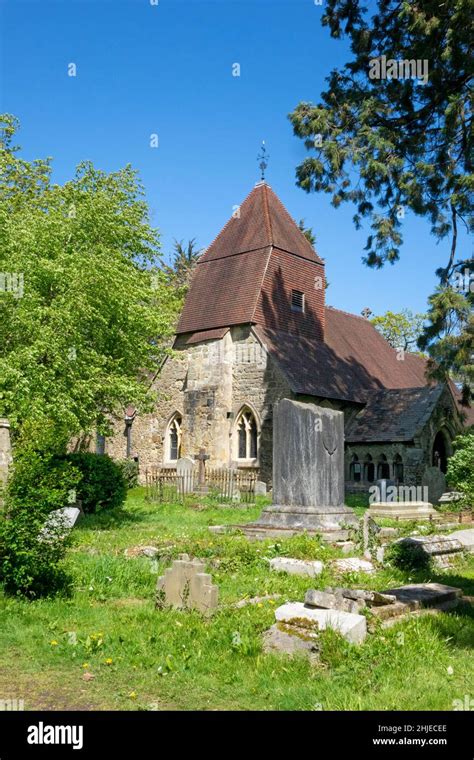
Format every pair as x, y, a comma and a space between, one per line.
133, 695
85, 664
54, 643
108, 661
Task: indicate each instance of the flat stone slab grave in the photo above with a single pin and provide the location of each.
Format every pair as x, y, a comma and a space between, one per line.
352, 627
296, 566
416, 597
465, 538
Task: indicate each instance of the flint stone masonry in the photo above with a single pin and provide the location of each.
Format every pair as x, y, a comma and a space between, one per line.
308, 472
352, 627
297, 566
353, 565
185, 585
465, 538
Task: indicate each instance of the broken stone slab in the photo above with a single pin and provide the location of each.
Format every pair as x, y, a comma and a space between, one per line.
331, 601
440, 549
450, 496
142, 551
353, 565
372, 598
296, 566
351, 627
465, 538
291, 640
185, 585
219, 529
425, 594
345, 546
416, 598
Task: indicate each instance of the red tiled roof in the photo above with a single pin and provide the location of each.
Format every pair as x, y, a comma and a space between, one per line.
262, 221
224, 292
229, 276
356, 340
353, 360
394, 414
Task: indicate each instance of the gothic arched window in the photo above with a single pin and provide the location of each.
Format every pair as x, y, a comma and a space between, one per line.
247, 435
173, 438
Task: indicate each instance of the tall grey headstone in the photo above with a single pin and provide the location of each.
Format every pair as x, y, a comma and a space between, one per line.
308, 472
185, 469
435, 480
6, 458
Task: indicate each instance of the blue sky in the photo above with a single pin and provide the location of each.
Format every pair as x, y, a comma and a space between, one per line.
166, 69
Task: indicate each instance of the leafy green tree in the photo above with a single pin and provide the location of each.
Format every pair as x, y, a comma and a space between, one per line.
460, 474
308, 232
402, 329
394, 139
85, 310
184, 261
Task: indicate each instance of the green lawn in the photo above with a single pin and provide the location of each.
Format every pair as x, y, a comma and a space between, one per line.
146, 659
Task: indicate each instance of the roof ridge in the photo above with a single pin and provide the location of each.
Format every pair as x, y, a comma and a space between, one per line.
266, 212
349, 314
230, 219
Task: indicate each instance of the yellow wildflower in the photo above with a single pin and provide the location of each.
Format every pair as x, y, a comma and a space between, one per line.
54, 643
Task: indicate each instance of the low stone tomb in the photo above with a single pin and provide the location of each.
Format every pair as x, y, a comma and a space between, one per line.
185, 585
440, 549
414, 599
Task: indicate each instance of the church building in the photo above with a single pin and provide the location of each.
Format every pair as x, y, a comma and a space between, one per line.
255, 329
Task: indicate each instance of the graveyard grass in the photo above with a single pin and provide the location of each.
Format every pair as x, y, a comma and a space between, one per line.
139, 658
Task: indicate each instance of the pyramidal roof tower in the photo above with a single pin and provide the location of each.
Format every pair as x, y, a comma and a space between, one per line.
252, 270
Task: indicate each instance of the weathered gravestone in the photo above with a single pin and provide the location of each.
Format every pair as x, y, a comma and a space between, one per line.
435, 481
5, 454
308, 474
185, 470
185, 585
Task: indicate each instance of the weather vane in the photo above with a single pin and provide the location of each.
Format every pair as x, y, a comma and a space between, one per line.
263, 159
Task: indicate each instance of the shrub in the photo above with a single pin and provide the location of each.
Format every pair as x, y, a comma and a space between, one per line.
460, 474
102, 483
30, 559
408, 557
129, 469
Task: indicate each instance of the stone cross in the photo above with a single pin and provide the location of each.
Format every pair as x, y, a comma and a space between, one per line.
202, 458
185, 585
